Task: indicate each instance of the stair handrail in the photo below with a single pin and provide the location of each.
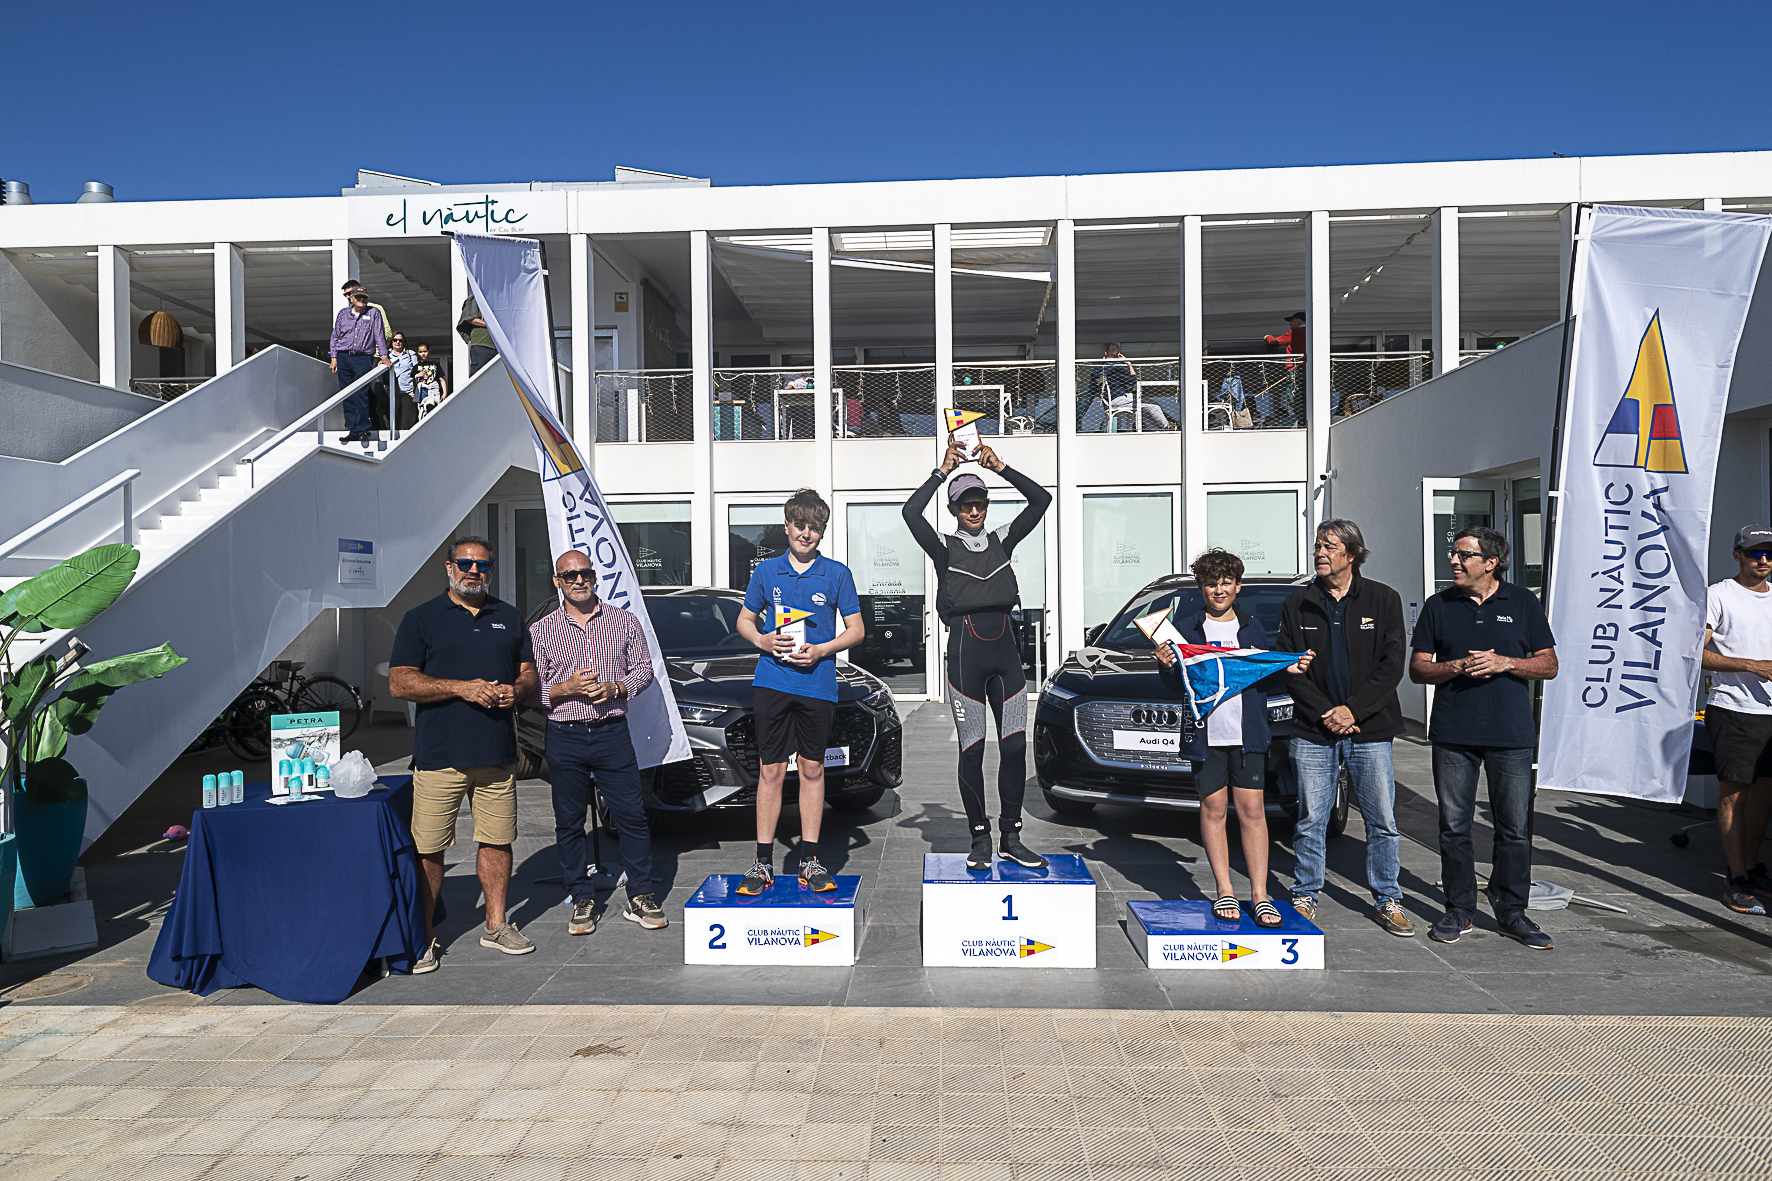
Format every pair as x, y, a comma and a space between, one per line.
123, 480
318, 412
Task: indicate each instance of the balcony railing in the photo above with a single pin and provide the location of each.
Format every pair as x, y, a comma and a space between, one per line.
1134, 394
1016, 397
165, 388
1360, 380
645, 406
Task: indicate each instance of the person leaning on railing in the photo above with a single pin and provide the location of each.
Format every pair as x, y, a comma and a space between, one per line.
359, 340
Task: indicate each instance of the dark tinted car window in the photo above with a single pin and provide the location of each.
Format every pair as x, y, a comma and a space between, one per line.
1263, 602
691, 627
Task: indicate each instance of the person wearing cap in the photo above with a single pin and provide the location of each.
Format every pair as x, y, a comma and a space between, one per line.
1482, 641
1292, 343
1738, 715
975, 592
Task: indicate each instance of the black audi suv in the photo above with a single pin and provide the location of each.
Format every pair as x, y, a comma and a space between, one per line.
711, 666
1090, 708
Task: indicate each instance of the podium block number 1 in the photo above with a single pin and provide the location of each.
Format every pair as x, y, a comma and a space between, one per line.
1009, 915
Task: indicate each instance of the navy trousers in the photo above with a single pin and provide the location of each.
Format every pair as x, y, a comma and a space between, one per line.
351, 366
576, 755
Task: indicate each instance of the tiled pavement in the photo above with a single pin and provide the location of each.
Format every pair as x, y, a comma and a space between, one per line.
178, 1088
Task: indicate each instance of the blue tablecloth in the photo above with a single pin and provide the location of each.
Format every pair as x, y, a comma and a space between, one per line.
295, 898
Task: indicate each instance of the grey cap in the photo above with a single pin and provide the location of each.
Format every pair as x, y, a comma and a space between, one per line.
1752, 537
961, 485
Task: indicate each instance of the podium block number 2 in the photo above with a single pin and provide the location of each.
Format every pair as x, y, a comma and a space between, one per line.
1009, 915
716, 937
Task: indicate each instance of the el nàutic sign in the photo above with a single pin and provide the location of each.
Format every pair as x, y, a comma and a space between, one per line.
415, 213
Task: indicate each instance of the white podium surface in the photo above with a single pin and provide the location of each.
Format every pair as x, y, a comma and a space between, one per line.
785, 925
1186, 935
1008, 917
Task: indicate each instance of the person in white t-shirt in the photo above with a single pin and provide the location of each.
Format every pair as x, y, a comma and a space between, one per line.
1230, 758
1738, 715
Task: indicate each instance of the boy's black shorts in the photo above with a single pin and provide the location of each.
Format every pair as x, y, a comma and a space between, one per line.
788, 724
1229, 766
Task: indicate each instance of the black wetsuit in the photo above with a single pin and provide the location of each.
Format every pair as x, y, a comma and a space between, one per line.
975, 592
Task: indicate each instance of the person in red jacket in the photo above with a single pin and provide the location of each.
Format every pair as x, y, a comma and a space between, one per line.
1293, 344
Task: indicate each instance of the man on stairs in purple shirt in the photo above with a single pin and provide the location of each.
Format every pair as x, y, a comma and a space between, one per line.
359, 340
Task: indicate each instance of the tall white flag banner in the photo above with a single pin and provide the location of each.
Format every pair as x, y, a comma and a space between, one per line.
1662, 297
509, 284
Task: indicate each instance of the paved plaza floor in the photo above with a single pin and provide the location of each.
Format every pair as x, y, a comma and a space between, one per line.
1636, 1048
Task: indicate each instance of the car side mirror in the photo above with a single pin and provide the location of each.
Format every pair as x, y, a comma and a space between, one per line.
1093, 634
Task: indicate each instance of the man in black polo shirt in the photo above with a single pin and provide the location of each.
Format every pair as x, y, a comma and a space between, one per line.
465, 658
1481, 641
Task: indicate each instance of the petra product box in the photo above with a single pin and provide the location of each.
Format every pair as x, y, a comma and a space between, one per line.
785, 925
1008, 916
305, 736
1185, 935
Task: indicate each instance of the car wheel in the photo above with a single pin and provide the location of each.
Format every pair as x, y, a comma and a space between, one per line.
858, 803
1338, 814
1067, 807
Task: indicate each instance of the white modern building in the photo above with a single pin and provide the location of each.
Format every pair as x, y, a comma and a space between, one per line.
726, 346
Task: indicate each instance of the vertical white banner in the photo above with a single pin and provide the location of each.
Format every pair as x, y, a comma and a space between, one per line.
1662, 297
509, 284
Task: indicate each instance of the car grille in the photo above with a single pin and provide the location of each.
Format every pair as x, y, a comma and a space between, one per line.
680, 781
741, 744
1096, 722
891, 761
853, 727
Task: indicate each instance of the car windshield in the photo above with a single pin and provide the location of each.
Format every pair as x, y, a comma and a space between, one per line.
693, 627
1262, 601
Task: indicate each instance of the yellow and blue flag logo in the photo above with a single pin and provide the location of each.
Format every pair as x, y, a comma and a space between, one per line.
1645, 428
787, 615
958, 418
1232, 951
1033, 947
813, 937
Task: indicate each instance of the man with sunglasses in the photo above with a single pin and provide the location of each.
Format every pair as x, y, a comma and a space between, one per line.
465, 658
1738, 715
592, 659
359, 341
1482, 641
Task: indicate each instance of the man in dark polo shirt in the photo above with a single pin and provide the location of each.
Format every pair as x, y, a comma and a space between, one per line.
465, 658
1482, 641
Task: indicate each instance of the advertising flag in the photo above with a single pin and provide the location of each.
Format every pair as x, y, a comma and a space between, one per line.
510, 285
1662, 297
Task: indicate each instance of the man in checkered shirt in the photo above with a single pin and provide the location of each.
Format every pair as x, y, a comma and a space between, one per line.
592, 658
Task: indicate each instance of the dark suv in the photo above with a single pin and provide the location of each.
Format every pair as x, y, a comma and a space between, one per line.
711, 666
1113, 685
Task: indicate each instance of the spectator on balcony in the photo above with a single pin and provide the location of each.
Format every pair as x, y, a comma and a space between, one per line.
1292, 379
1115, 380
402, 361
359, 341
471, 327
430, 387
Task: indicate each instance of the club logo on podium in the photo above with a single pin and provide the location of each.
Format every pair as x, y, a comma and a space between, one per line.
1230, 951
813, 937
1033, 947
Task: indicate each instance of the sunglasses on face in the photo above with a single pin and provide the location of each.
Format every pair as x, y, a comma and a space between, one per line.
469, 565
1759, 555
576, 576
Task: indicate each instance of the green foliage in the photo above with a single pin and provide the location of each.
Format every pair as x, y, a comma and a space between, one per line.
53, 781
21, 692
71, 594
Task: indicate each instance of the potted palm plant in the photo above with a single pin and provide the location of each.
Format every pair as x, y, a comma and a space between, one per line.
48, 698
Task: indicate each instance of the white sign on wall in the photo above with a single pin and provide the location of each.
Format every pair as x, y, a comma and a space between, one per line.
415, 213
356, 562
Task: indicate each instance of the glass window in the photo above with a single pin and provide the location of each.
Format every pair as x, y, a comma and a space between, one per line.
888, 566
1527, 566
657, 535
755, 534
1128, 543
1029, 563
697, 626
1453, 510
1262, 600
1259, 527
532, 562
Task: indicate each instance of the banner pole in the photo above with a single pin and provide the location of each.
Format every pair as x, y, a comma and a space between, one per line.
1555, 477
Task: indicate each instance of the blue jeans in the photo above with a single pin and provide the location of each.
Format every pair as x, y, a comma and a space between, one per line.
1509, 771
351, 366
576, 756
1375, 793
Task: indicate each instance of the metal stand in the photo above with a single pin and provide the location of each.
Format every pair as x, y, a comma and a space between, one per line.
594, 869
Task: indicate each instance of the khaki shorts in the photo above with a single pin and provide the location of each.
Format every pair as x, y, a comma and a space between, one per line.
436, 801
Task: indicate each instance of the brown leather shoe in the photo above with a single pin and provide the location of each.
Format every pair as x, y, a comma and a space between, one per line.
1391, 917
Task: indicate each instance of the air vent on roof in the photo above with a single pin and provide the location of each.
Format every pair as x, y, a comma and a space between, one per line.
16, 192
97, 192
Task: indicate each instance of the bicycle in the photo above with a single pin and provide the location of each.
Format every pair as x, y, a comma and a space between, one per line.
245, 726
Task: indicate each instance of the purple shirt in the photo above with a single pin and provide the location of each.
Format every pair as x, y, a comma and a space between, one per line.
352, 333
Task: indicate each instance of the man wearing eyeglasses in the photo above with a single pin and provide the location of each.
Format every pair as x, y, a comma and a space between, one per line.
1738, 715
359, 341
592, 661
465, 658
1482, 641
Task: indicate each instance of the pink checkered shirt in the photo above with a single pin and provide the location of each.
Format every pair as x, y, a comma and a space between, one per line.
611, 644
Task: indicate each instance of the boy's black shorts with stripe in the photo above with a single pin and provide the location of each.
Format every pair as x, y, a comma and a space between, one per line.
789, 724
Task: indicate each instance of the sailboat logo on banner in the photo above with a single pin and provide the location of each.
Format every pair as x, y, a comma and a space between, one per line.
1645, 428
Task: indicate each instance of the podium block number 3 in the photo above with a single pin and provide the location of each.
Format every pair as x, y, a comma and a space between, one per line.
1009, 915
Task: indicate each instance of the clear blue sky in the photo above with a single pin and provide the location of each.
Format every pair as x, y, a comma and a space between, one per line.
171, 100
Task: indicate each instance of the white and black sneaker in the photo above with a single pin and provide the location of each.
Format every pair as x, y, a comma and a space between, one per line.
980, 859
584, 918
1013, 850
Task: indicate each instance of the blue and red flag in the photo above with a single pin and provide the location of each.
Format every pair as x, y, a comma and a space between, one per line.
1215, 675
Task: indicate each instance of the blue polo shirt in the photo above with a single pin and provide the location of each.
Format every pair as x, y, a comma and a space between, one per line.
1496, 712
827, 590
443, 639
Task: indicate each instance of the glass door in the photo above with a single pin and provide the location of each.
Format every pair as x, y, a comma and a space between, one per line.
890, 579
754, 534
529, 563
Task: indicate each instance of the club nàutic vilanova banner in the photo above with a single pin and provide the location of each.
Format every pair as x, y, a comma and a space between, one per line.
1662, 295
510, 285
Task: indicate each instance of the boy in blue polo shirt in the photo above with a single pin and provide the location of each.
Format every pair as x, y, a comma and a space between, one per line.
792, 610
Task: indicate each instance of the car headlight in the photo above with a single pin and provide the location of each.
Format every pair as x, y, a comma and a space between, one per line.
699, 715
1057, 694
880, 701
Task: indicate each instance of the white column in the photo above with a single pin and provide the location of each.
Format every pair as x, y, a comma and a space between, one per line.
114, 337
230, 307
823, 468
701, 345
459, 362
944, 333
584, 347
1316, 365
344, 266
1565, 256
1193, 401
1447, 338
1070, 502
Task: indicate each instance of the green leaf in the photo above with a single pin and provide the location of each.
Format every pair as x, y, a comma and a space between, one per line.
73, 593
119, 671
53, 781
68, 715
21, 692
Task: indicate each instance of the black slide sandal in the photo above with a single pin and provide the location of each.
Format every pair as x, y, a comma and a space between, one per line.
1227, 910
1267, 914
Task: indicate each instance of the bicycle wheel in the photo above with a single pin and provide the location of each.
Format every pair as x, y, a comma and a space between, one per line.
246, 725
329, 694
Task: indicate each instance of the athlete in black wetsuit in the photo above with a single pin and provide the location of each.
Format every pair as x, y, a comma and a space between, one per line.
975, 591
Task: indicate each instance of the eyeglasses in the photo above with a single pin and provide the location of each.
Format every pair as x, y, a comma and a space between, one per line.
467, 565
576, 575
1462, 555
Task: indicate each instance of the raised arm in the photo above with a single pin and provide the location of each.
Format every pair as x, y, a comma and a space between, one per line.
920, 528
